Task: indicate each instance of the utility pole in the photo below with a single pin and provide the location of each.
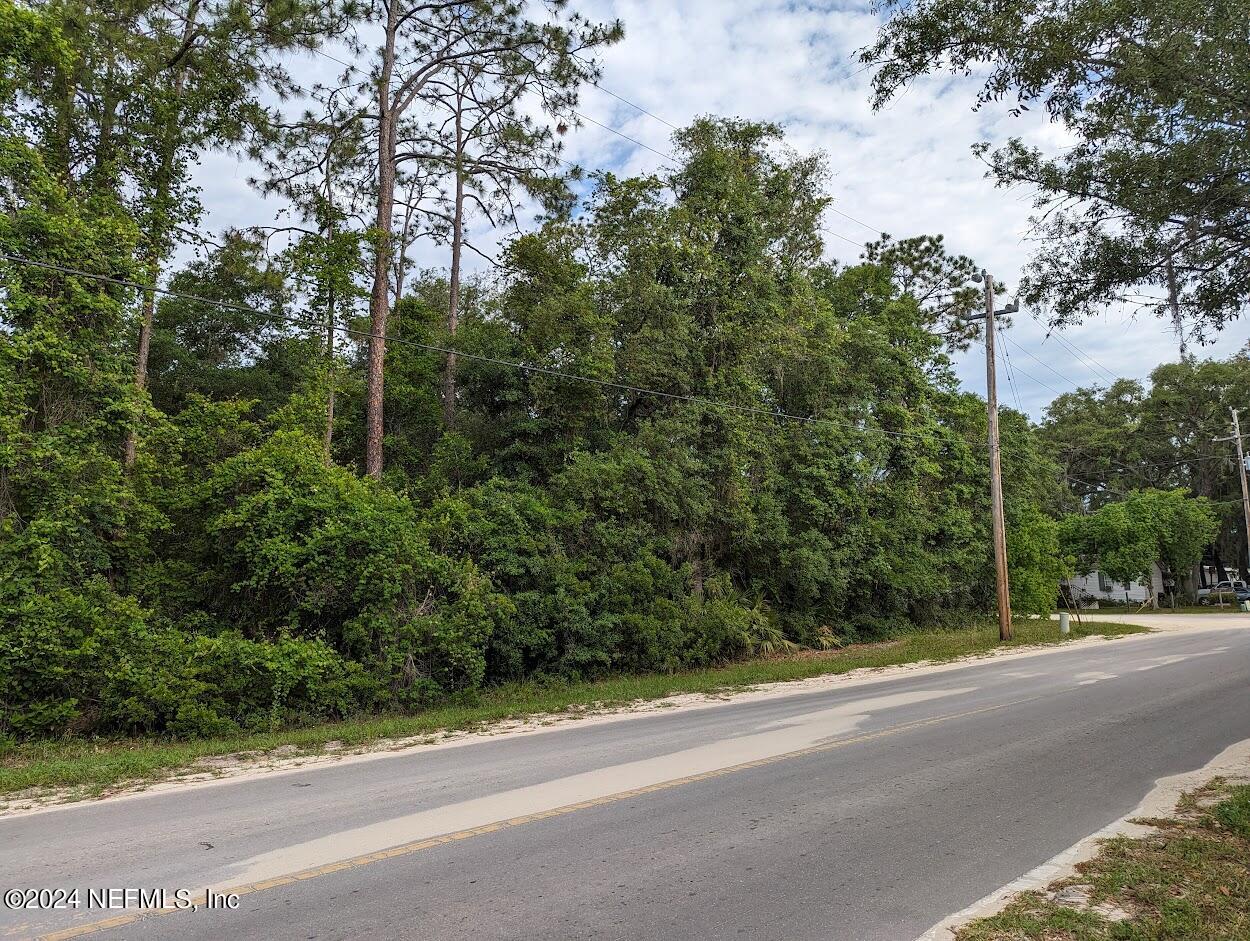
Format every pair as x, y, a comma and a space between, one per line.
996, 467
1241, 470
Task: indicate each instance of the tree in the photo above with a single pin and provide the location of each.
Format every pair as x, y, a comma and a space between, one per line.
71, 528
489, 149
1094, 435
191, 83
1148, 205
318, 164
940, 282
421, 43
1127, 437
1126, 539
1038, 563
223, 346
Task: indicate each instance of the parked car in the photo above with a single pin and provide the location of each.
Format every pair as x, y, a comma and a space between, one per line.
1229, 587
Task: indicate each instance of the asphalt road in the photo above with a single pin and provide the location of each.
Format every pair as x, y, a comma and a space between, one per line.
864, 812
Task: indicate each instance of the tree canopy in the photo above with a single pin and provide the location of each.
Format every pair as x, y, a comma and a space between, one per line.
1149, 203
1126, 539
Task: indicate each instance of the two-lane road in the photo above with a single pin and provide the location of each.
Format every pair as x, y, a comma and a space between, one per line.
865, 811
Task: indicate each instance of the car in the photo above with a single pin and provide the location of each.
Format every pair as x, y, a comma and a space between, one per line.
1221, 590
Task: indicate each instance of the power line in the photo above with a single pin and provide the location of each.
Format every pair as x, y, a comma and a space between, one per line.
1028, 374
841, 236
1098, 488
634, 105
622, 134
1047, 365
1072, 347
321, 52
846, 215
429, 347
1015, 392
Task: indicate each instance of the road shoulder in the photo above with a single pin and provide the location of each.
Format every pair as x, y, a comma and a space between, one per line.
1055, 876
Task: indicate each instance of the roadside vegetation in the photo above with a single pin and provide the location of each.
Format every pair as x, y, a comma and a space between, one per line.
306, 480
85, 767
1187, 881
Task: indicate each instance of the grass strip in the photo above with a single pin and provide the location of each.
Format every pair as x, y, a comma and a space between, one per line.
1188, 880
84, 768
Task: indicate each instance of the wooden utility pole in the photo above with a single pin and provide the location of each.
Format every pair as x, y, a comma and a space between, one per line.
1241, 471
996, 468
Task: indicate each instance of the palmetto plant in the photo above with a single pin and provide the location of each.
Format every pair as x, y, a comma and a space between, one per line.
760, 635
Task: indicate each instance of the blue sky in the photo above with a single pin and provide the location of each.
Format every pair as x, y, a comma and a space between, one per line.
906, 170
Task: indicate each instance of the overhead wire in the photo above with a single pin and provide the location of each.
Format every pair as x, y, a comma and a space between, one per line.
1011, 382
1072, 347
847, 215
844, 238
1042, 362
1017, 367
634, 105
622, 134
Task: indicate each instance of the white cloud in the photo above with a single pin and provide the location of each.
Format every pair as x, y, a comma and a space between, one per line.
907, 169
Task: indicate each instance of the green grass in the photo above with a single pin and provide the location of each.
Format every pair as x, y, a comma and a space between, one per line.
1189, 880
84, 768
1107, 607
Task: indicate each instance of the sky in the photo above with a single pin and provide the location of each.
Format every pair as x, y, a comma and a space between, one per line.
906, 170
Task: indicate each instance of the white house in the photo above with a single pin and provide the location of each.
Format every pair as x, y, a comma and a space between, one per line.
1096, 585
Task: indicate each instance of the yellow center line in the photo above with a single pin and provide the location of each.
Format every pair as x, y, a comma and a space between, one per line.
406, 849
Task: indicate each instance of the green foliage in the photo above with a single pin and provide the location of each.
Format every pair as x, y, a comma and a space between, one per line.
295, 547
1125, 539
1130, 436
1148, 201
237, 346
237, 576
87, 659
1037, 562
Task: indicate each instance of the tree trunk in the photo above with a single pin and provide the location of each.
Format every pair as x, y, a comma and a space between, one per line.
453, 287
330, 233
330, 377
141, 356
379, 299
404, 242
159, 231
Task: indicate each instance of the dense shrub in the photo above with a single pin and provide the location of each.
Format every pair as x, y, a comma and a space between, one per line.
298, 548
91, 660
290, 590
